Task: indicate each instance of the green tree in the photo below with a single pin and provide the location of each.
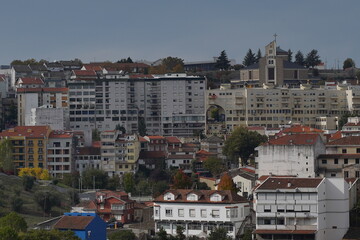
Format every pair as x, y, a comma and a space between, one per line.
7, 233
74, 197
290, 53
71, 180
249, 58
219, 234
348, 63
159, 187
226, 183
6, 155
96, 135
46, 200
214, 165
129, 182
247, 235
214, 113
141, 126
344, 119
17, 204
222, 62
143, 187
122, 235
242, 143
114, 182
120, 128
180, 233
49, 235
299, 58
181, 180
161, 235
28, 182
97, 176
312, 59
14, 221
258, 55
170, 63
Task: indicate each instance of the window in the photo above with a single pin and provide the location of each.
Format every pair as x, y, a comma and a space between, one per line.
336, 161
181, 212
343, 151
215, 213
357, 161
192, 212
117, 207
357, 174
358, 150
324, 161
346, 174
168, 212
346, 161
267, 208
203, 213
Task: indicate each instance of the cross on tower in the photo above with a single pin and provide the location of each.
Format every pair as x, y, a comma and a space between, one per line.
275, 35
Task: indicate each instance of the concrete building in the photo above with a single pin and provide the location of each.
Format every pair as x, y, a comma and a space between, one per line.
47, 115
272, 107
274, 68
302, 208
87, 157
294, 155
213, 144
171, 104
200, 211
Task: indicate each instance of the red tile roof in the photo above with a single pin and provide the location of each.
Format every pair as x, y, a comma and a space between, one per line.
85, 73
26, 131
204, 196
339, 155
140, 76
295, 139
156, 137
352, 124
60, 134
273, 183
345, 141
74, 222
172, 140
96, 144
92, 67
300, 129
46, 90
31, 80
142, 139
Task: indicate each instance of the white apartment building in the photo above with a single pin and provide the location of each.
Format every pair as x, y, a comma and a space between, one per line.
200, 211
291, 155
171, 104
46, 115
302, 208
87, 157
119, 153
271, 107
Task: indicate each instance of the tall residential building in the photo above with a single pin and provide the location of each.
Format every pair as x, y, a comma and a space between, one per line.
272, 107
302, 208
119, 152
171, 104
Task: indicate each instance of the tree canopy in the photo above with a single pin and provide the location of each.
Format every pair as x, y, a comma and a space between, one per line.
169, 65
226, 183
125, 60
299, 58
92, 175
219, 234
258, 55
222, 61
214, 165
14, 221
249, 58
312, 59
242, 143
181, 180
129, 182
348, 63
122, 235
290, 53
46, 200
6, 155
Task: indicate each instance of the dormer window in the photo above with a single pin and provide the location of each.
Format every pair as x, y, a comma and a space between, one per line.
192, 197
169, 196
216, 198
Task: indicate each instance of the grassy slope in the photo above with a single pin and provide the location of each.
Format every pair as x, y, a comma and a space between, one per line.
11, 186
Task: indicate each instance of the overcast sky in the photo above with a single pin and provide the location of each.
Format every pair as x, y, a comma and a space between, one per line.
190, 29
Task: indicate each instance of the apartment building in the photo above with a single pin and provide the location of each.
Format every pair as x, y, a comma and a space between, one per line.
272, 107
87, 157
200, 211
171, 104
119, 152
302, 208
294, 155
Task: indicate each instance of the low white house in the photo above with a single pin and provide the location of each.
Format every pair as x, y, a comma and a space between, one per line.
200, 211
302, 208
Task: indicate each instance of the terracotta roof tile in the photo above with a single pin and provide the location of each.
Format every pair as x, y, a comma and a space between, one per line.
60, 134
301, 129
74, 222
26, 131
31, 80
85, 73
172, 140
346, 141
273, 183
295, 139
50, 90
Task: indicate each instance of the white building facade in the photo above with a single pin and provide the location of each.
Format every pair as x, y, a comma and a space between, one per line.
302, 208
200, 211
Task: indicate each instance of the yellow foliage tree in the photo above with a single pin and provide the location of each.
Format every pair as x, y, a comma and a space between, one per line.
38, 173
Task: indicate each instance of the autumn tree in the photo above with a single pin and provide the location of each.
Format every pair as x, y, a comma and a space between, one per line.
348, 63
299, 58
222, 62
214, 165
312, 59
242, 143
181, 180
249, 58
226, 183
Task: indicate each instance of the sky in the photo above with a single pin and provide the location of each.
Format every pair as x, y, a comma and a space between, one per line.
194, 30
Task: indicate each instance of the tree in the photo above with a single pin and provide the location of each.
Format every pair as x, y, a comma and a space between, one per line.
73, 196
128, 182
7, 233
290, 53
242, 143
37, 173
170, 63
143, 187
114, 182
344, 119
226, 183
348, 63
97, 176
120, 128
16, 204
46, 200
247, 235
299, 58
214, 165
96, 135
180, 233
258, 55
141, 126
122, 235
161, 235
181, 180
357, 74
28, 182
312, 59
159, 187
214, 113
125, 60
222, 62
219, 234
47, 235
71, 180
6, 155
249, 58
14, 221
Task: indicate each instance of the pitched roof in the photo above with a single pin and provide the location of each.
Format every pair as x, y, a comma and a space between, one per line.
31, 80
74, 222
335, 136
346, 141
92, 67
204, 196
296, 139
89, 151
213, 139
253, 66
60, 134
273, 183
21, 68
292, 65
85, 73
155, 137
26, 131
172, 140
301, 129
49, 90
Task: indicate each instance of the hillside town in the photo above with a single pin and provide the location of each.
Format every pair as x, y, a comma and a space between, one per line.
268, 149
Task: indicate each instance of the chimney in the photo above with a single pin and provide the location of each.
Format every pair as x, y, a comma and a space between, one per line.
289, 184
